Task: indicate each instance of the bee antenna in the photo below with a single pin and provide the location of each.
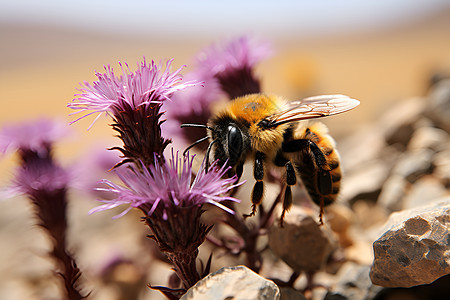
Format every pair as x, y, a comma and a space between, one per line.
207, 155
197, 125
195, 143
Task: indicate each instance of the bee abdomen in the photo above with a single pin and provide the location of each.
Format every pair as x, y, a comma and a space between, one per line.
308, 169
309, 178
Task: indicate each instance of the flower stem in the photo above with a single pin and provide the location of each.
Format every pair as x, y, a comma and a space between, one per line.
51, 211
185, 267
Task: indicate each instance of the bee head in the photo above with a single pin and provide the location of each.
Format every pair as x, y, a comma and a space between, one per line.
231, 141
234, 144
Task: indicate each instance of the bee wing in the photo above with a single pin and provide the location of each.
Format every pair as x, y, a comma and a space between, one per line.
313, 107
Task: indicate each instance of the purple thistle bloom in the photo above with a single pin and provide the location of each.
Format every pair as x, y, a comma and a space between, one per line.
133, 100
172, 200
194, 105
113, 94
232, 64
38, 177
45, 183
226, 70
34, 136
170, 185
33, 141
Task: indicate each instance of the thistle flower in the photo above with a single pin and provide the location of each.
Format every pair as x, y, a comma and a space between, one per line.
32, 136
133, 100
33, 141
194, 105
226, 70
168, 187
232, 65
45, 183
172, 201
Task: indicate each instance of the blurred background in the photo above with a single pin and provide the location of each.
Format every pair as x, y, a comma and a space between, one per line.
376, 51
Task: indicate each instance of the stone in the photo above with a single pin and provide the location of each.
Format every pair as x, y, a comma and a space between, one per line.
392, 193
354, 151
301, 243
340, 218
441, 162
353, 283
424, 191
360, 252
288, 293
237, 283
415, 247
414, 164
364, 182
438, 289
428, 137
369, 214
439, 104
397, 123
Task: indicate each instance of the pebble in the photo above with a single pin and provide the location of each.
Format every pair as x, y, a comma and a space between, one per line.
414, 248
301, 242
237, 283
353, 283
414, 164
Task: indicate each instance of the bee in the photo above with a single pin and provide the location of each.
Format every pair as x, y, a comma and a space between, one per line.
268, 130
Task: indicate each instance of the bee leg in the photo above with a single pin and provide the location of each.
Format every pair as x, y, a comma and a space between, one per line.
324, 181
239, 170
258, 188
291, 179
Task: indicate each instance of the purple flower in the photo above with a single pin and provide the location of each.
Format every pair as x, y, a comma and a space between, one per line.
226, 70
33, 141
34, 135
192, 106
45, 183
113, 94
172, 200
40, 177
238, 53
232, 64
133, 100
169, 186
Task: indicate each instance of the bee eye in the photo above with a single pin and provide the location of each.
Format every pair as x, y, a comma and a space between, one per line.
234, 144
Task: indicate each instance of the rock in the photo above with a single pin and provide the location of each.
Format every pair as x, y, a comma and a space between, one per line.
353, 283
415, 248
393, 192
360, 252
439, 289
237, 283
369, 214
354, 151
426, 190
428, 137
412, 165
288, 293
439, 105
441, 162
401, 135
339, 218
398, 122
364, 182
301, 242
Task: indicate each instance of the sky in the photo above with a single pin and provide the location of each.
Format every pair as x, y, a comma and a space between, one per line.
177, 19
